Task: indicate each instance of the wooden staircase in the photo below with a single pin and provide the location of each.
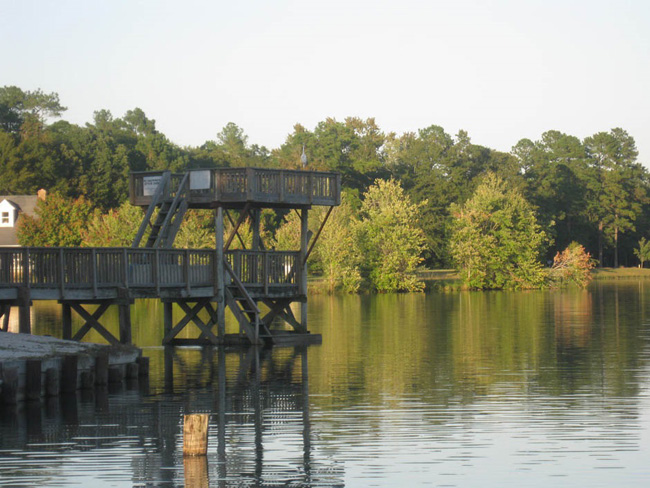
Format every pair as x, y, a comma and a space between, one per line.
172, 207
245, 310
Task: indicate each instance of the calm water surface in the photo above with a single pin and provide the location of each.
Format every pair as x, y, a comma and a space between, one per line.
545, 388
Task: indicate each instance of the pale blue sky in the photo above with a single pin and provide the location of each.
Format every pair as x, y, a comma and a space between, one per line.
502, 70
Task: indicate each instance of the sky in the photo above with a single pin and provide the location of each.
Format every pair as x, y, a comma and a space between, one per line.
501, 70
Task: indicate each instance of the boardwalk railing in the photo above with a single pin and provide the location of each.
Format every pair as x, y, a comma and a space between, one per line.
239, 185
266, 268
95, 269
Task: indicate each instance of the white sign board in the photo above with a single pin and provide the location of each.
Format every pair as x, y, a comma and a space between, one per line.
150, 185
200, 180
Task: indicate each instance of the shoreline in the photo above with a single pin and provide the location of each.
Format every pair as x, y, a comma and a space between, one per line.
34, 367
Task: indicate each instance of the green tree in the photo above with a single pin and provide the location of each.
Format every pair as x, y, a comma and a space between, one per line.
615, 188
643, 251
116, 228
391, 240
18, 106
197, 231
554, 174
59, 221
496, 240
338, 249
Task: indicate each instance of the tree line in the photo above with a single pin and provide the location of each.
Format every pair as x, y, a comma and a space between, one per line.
591, 191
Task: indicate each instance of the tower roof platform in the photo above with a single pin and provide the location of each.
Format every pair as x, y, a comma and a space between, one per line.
235, 188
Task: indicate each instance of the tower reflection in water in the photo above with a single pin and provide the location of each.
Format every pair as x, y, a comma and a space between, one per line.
131, 435
259, 428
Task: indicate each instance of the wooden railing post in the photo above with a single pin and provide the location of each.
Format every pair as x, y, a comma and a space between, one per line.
93, 256
62, 273
156, 270
125, 258
250, 181
310, 188
26, 267
283, 179
266, 272
186, 270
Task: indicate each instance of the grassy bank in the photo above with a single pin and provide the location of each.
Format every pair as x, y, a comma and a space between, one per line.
448, 279
619, 273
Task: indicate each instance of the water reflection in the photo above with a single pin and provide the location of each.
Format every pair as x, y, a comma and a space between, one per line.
462, 389
260, 430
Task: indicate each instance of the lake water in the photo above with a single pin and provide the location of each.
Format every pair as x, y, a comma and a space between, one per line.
542, 388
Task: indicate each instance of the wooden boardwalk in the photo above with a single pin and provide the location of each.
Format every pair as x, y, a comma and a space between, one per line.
193, 279
65, 273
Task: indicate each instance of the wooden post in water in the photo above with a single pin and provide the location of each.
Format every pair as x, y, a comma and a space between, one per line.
195, 434
220, 291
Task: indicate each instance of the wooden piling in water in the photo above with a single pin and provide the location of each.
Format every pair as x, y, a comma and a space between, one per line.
195, 434
101, 369
69, 374
52, 384
115, 374
143, 365
33, 380
9, 386
132, 371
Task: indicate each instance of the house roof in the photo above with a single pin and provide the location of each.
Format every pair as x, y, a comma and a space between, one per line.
25, 204
8, 236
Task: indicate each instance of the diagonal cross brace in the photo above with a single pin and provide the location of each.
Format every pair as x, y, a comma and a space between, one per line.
92, 322
191, 316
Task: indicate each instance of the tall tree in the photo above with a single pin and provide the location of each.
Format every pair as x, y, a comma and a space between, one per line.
554, 174
496, 240
18, 106
616, 189
391, 240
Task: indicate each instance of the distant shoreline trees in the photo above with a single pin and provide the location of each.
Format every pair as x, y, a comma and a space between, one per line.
591, 191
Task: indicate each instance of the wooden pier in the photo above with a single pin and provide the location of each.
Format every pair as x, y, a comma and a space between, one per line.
195, 279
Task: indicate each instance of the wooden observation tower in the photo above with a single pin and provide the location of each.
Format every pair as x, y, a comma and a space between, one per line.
239, 280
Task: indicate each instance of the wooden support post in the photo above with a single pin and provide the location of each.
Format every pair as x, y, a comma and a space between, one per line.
168, 317
101, 369
195, 434
69, 374
304, 230
219, 277
24, 306
115, 375
9, 386
66, 318
143, 366
33, 380
125, 316
52, 383
255, 224
86, 380
132, 371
